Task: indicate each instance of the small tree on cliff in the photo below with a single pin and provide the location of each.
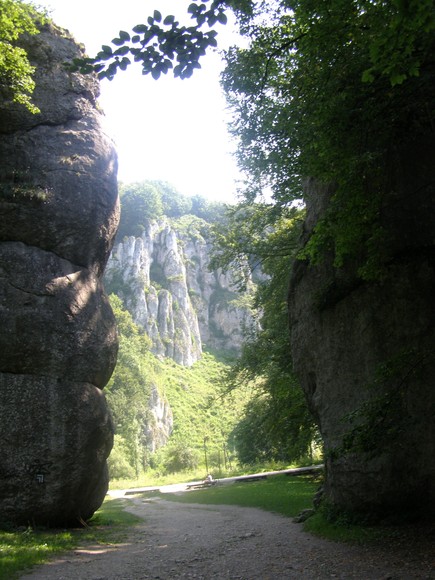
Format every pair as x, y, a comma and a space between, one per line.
16, 83
140, 203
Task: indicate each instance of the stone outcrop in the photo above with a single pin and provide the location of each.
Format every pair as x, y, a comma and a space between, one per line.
368, 348
160, 422
59, 214
165, 283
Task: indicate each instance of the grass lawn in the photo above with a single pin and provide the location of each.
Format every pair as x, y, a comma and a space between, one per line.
21, 549
280, 493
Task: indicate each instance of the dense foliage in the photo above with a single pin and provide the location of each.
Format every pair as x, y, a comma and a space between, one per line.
331, 90
150, 200
128, 393
16, 83
276, 424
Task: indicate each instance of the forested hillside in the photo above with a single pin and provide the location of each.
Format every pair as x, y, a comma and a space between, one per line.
225, 404
167, 416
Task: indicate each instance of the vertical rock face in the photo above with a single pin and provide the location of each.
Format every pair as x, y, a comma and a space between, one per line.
164, 280
59, 214
160, 422
368, 347
153, 284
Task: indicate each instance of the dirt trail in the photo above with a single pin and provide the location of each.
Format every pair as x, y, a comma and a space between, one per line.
178, 541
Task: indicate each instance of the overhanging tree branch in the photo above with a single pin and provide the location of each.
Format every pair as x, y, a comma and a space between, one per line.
159, 45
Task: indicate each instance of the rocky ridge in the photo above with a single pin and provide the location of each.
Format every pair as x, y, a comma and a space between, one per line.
164, 280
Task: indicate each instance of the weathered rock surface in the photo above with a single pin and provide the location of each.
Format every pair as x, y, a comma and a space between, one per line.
160, 422
346, 332
59, 213
165, 283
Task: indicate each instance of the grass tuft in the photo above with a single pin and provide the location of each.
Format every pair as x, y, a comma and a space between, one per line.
22, 549
319, 525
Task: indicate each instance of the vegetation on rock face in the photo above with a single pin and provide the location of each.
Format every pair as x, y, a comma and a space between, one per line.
16, 83
128, 393
202, 420
276, 424
260, 410
150, 200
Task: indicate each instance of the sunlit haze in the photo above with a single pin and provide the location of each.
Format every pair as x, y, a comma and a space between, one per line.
171, 129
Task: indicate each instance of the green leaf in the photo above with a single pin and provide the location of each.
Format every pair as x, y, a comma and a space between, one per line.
124, 63
117, 41
106, 49
103, 55
367, 76
122, 51
157, 16
188, 71
222, 18
140, 28
124, 35
397, 79
169, 19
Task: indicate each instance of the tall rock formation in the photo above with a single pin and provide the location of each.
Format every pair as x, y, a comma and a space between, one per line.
364, 351
164, 280
160, 422
59, 214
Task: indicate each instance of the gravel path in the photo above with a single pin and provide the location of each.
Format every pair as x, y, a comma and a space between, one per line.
178, 541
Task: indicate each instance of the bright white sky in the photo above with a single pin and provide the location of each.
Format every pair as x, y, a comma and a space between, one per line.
171, 129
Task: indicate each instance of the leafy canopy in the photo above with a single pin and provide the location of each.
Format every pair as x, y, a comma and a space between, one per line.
329, 89
149, 200
159, 43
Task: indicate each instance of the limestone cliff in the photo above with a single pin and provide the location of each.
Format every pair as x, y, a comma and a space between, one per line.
59, 214
160, 422
364, 351
164, 280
